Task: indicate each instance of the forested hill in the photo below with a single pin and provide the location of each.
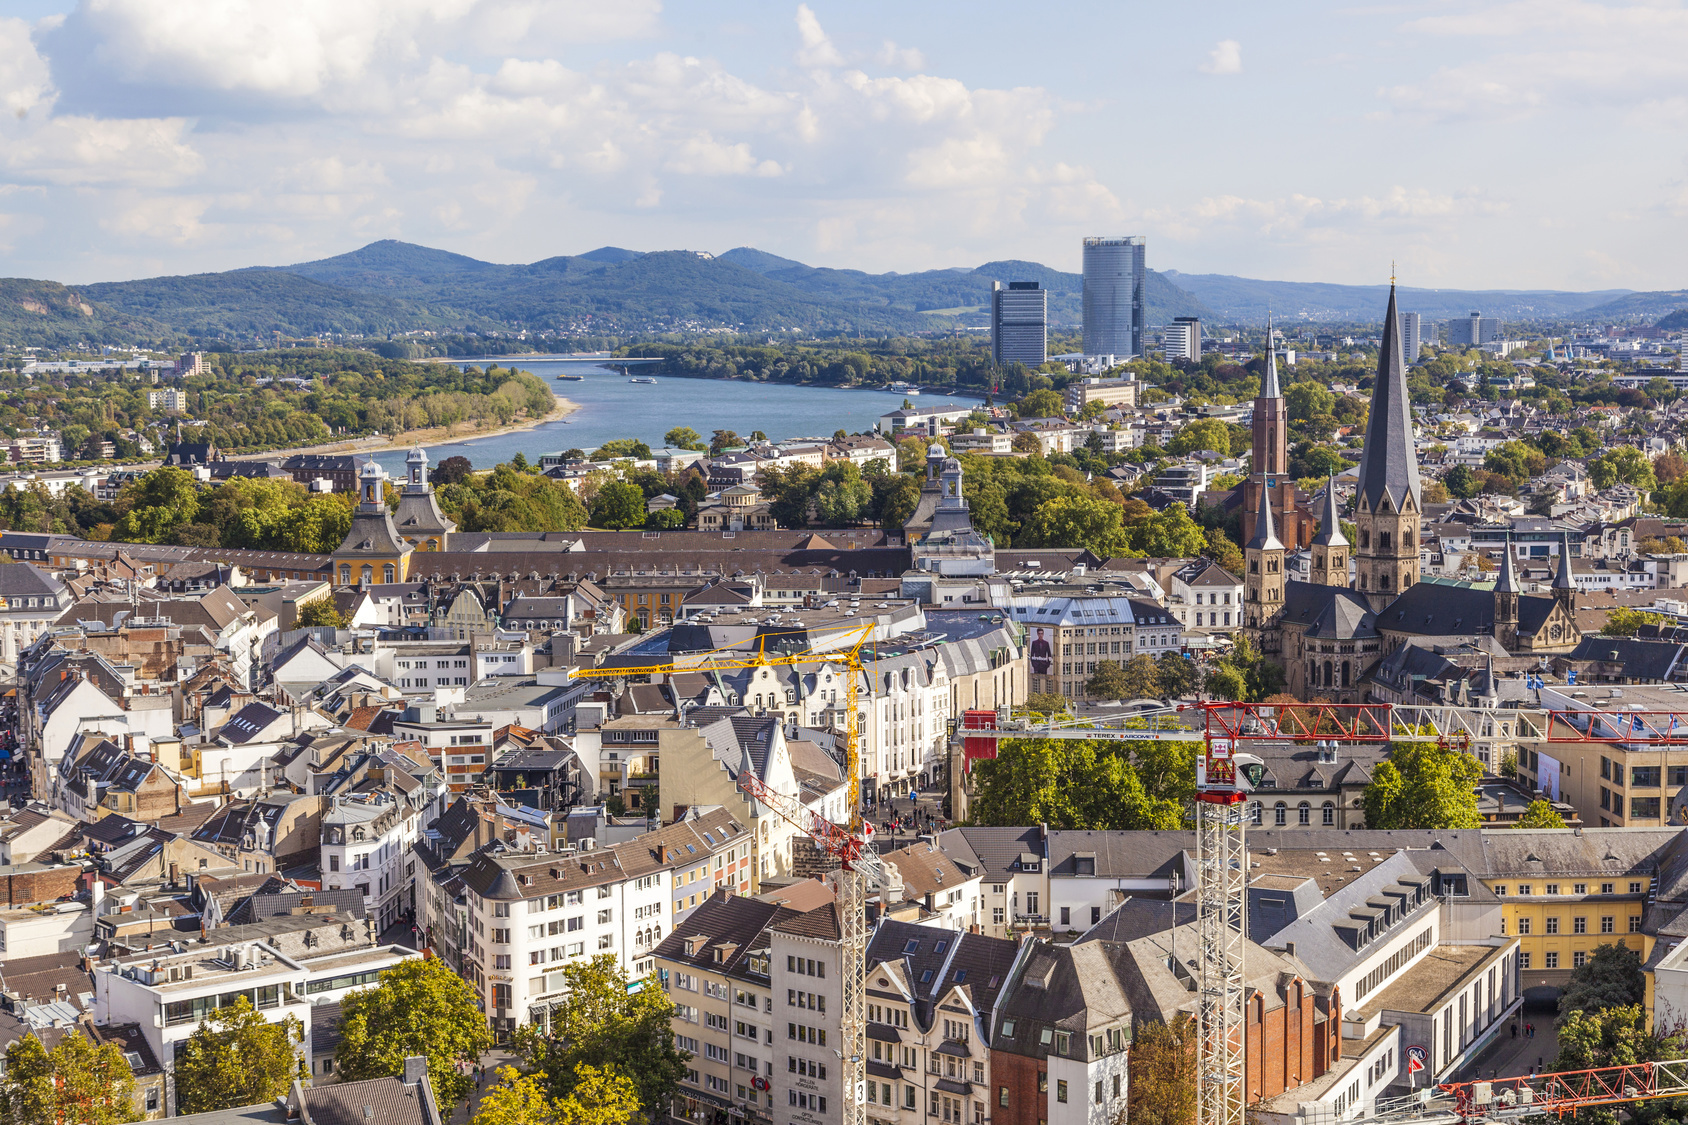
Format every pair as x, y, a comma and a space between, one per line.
395, 287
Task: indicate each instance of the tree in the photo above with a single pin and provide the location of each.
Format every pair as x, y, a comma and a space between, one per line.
1078, 521
320, 612
1046, 703
723, 439
1026, 442
1163, 1070
1422, 785
684, 437
453, 470
1243, 675
419, 1007
1168, 534
1223, 551
157, 505
600, 1097
1461, 482
1109, 682
1625, 464
76, 1082
602, 1023
236, 1057
622, 448
1176, 675
1616, 1037
1540, 814
1207, 433
1670, 467
618, 505
1610, 978
897, 500
668, 519
1067, 783
1623, 621
1042, 403
1307, 398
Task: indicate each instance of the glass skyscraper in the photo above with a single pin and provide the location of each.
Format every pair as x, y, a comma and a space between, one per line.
1019, 323
1115, 279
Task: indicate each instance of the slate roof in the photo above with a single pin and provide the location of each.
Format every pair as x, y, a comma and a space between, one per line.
1641, 659
722, 921
373, 1101
1119, 854
1434, 609
992, 852
1389, 459
1334, 612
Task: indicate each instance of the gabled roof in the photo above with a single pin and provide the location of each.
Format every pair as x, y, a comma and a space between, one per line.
1327, 611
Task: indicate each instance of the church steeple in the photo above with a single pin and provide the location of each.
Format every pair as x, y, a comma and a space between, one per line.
419, 518
1387, 505
1271, 418
1330, 546
1564, 582
1263, 586
1506, 600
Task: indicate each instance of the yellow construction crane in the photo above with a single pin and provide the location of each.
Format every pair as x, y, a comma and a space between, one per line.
848, 842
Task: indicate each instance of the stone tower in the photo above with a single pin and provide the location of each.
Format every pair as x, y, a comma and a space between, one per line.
1506, 600
1270, 457
1330, 546
1564, 582
419, 518
1387, 508
1263, 586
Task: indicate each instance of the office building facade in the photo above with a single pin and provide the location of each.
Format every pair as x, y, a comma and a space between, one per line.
1411, 326
1473, 331
1182, 339
1115, 283
1019, 323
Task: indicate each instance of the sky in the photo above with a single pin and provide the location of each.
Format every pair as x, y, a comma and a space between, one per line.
1473, 144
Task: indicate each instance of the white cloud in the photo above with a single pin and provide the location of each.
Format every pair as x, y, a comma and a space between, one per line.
818, 50
1225, 58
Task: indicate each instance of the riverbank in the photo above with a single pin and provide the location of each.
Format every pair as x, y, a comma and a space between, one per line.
433, 435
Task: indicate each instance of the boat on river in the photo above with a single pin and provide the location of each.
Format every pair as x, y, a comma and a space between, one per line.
572, 378
643, 379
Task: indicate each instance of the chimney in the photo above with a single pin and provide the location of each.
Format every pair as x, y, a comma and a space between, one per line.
1289, 948
415, 1069
175, 872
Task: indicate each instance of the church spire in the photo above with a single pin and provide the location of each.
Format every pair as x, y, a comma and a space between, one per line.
1507, 583
1265, 536
1389, 462
1506, 601
1564, 582
1330, 522
1269, 387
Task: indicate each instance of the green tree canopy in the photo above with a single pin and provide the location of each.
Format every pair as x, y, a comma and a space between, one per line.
1611, 977
419, 1007
76, 1083
599, 1097
1079, 521
618, 504
623, 448
1176, 675
602, 1023
1623, 621
1422, 785
684, 437
1042, 403
1071, 784
156, 505
1620, 1036
1625, 464
235, 1057
1541, 814
1206, 433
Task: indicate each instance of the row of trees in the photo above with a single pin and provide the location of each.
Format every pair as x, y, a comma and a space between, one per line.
608, 1058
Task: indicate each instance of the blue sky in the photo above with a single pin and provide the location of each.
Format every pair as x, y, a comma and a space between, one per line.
1477, 144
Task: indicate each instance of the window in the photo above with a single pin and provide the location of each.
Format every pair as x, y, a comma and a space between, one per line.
1523, 958
1579, 888
1608, 925
1553, 925
1329, 813
1550, 960
1553, 888
1644, 807
1523, 925
1280, 814
1066, 916
1635, 923
1579, 925
1002, 1096
1061, 1089
1607, 888
1635, 888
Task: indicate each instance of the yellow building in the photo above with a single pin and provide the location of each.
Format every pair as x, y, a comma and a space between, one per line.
373, 550
1566, 891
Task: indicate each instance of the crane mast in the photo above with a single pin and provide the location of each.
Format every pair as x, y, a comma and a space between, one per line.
1221, 898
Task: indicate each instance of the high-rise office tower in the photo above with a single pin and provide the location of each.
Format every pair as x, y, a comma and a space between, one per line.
1470, 331
1183, 339
1115, 280
1410, 325
1019, 323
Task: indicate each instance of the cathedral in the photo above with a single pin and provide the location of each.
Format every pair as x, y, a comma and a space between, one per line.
1330, 631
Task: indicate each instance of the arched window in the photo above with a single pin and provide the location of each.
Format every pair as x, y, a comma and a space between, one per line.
389, 574
1330, 814
1327, 673
1304, 814
345, 574
1259, 813
368, 574
1280, 814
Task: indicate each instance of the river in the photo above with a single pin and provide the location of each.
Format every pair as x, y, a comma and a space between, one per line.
612, 406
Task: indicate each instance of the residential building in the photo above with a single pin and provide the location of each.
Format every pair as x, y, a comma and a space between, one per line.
1069, 623
366, 842
1108, 392
1472, 331
1207, 598
1115, 280
1411, 338
1182, 339
1019, 319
